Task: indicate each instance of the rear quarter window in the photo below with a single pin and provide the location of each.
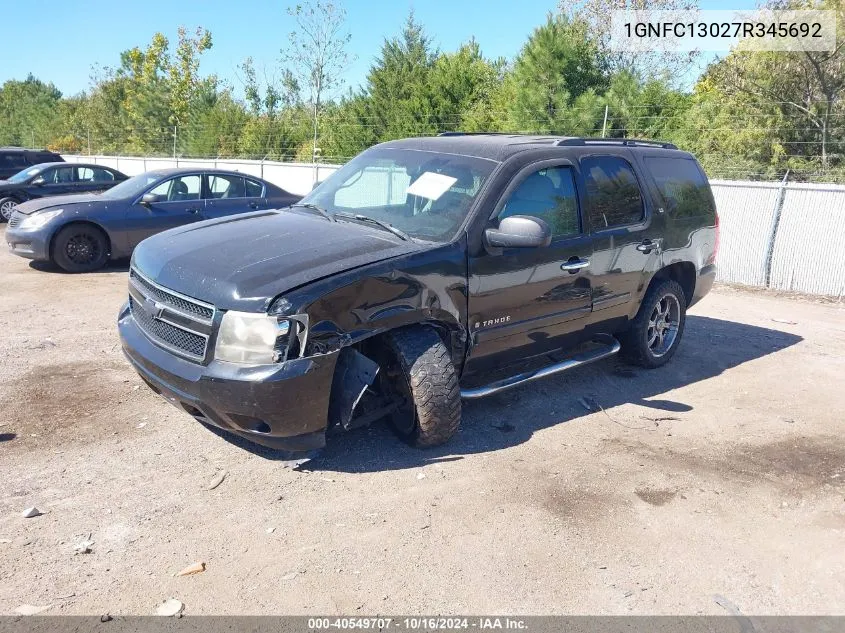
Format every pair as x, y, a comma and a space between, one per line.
684, 189
13, 160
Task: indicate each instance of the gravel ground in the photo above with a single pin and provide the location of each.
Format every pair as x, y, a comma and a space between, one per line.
717, 480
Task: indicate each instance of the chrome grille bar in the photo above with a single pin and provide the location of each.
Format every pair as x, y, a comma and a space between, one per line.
171, 320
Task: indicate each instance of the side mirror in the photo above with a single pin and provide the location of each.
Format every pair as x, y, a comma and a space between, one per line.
149, 198
38, 181
519, 231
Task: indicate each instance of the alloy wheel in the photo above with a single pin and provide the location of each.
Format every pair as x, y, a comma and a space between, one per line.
82, 249
663, 325
7, 209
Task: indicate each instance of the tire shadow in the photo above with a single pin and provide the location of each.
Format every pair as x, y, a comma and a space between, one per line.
512, 417
113, 266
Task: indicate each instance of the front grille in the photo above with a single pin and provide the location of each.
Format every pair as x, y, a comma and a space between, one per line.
193, 344
172, 321
166, 297
15, 220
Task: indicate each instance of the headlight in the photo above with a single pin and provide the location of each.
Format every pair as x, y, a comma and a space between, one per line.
251, 339
38, 219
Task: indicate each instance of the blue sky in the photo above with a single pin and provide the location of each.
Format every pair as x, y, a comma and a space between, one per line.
70, 37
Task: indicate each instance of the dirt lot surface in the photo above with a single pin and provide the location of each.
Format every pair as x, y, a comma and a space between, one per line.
717, 480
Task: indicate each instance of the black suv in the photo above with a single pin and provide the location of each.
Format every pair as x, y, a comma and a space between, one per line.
422, 272
14, 159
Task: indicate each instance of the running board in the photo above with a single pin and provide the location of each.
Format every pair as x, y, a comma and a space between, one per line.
611, 347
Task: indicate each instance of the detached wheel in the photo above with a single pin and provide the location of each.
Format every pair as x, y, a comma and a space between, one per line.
422, 375
7, 208
656, 331
80, 248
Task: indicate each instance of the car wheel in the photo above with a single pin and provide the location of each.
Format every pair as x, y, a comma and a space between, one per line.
656, 331
7, 208
423, 377
80, 248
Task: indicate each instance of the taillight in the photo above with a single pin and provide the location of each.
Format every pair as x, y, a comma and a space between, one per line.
712, 258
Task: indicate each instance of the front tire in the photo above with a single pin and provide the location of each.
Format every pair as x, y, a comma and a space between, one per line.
80, 248
423, 375
655, 333
7, 208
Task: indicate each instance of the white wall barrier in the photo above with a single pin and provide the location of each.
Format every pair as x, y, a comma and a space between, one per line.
778, 235
783, 236
294, 177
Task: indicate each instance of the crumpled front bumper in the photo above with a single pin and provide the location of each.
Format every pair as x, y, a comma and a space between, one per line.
283, 406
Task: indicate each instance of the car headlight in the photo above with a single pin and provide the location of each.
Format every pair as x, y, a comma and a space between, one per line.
38, 219
252, 339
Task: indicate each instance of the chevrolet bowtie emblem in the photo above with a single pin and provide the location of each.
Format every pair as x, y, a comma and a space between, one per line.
154, 308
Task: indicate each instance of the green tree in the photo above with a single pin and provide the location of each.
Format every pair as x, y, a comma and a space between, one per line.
806, 87
28, 111
663, 65
317, 53
558, 64
399, 94
461, 85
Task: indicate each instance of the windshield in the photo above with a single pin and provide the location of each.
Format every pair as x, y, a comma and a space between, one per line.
131, 187
26, 174
425, 194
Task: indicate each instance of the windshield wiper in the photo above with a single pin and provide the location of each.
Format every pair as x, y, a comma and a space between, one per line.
365, 218
313, 207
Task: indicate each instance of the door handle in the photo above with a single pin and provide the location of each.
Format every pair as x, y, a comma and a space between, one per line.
646, 246
195, 210
574, 264
253, 205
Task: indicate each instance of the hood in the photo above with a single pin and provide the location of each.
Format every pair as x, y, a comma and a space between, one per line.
56, 201
242, 262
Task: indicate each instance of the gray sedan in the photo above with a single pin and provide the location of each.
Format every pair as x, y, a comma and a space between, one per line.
81, 233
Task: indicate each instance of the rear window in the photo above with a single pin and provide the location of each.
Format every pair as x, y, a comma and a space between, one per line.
683, 187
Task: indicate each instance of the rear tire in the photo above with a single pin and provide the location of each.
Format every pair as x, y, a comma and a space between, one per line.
7, 208
80, 248
655, 333
423, 374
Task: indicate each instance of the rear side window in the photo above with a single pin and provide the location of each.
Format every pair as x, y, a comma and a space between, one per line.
682, 185
223, 186
13, 160
548, 194
613, 195
253, 189
94, 174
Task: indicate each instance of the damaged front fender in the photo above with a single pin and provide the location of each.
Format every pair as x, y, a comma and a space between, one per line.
354, 373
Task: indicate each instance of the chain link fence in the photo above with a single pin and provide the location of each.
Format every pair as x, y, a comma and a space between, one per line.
780, 235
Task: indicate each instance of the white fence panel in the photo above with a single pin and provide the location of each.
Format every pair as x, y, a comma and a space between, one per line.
746, 215
297, 178
809, 255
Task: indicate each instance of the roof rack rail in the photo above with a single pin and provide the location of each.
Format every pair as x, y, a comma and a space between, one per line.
472, 133
631, 142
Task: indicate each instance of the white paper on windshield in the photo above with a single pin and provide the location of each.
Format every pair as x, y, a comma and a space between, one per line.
431, 185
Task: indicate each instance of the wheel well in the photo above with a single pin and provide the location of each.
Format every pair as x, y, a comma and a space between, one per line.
450, 335
86, 223
681, 272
